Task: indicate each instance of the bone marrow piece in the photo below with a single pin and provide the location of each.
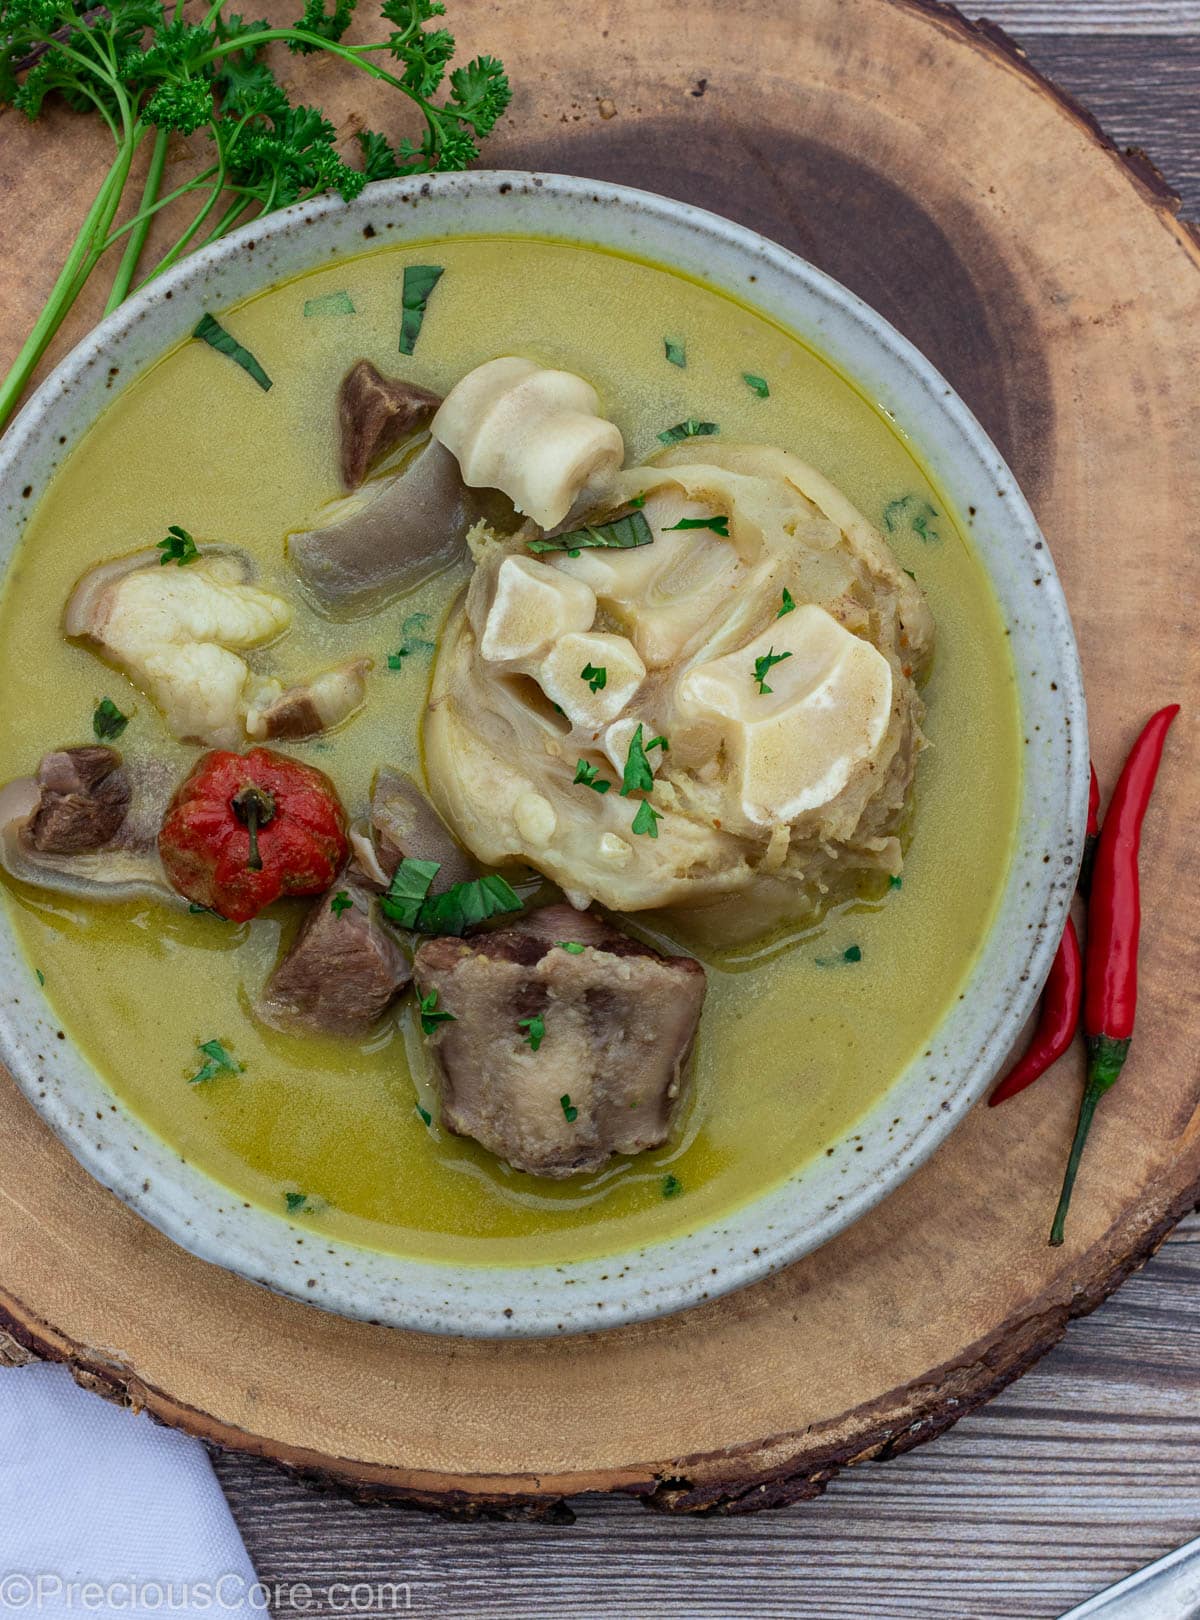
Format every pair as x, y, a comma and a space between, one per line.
86, 826
343, 970
617, 1022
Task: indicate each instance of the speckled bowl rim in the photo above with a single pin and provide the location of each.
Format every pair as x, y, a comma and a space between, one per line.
930, 1097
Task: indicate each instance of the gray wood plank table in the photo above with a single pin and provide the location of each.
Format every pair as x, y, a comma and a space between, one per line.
1084, 1470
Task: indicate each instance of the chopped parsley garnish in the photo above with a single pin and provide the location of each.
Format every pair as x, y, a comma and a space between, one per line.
107, 721
334, 303
178, 547
465, 905
909, 572
895, 882
639, 501
787, 603
671, 1186
638, 777
718, 525
430, 1017
691, 429
203, 911
535, 1030
341, 902
589, 776
41, 977
411, 882
414, 641
303, 1203
571, 946
756, 385
570, 1112
409, 904
597, 678
216, 1061
647, 819
762, 665
426, 1116
659, 742
675, 352
913, 512
215, 335
419, 282
622, 534
852, 953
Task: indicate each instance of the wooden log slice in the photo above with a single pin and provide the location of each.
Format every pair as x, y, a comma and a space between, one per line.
921, 161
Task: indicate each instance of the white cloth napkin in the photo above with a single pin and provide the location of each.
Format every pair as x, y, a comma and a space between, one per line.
104, 1513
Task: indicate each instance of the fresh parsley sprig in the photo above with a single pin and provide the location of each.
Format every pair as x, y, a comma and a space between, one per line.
148, 75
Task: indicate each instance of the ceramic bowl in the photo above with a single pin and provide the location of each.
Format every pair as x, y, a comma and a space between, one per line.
927, 1100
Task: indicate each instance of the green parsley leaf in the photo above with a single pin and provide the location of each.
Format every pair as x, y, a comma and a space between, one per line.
597, 678
411, 882
909, 572
671, 1186
535, 1030
659, 742
214, 334
638, 501
414, 641
341, 902
691, 429
299, 1203
205, 911
852, 953
217, 1061
589, 776
426, 1116
41, 977
638, 777
675, 352
788, 603
419, 282
718, 525
911, 511
895, 881
570, 1112
334, 303
430, 1017
571, 946
465, 905
647, 819
756, 385
622, 534
761, 665
107, 721
178, 547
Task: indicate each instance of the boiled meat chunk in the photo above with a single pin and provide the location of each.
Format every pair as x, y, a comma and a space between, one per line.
375, 414
344, 969
617, 1024
757, 802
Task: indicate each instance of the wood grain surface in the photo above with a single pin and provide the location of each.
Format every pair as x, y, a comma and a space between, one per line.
961, 1537
1029, 17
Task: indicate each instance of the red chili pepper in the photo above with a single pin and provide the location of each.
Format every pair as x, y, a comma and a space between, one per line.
1092, 836
1057, 1023
1114, 924
244, 829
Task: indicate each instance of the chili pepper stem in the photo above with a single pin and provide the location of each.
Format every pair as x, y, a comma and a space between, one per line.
255, 808
1106, 1058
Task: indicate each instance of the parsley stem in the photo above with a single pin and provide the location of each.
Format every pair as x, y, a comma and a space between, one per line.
78, 266
141, 224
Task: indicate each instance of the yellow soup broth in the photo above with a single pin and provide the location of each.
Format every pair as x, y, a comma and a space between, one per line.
796, 1041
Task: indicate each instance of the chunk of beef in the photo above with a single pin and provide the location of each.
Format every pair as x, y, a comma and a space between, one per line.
318, 705
617, 1022
406, 824
344, 968
85, 796
374, 414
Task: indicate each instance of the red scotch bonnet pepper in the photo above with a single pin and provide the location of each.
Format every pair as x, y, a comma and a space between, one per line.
245, 829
